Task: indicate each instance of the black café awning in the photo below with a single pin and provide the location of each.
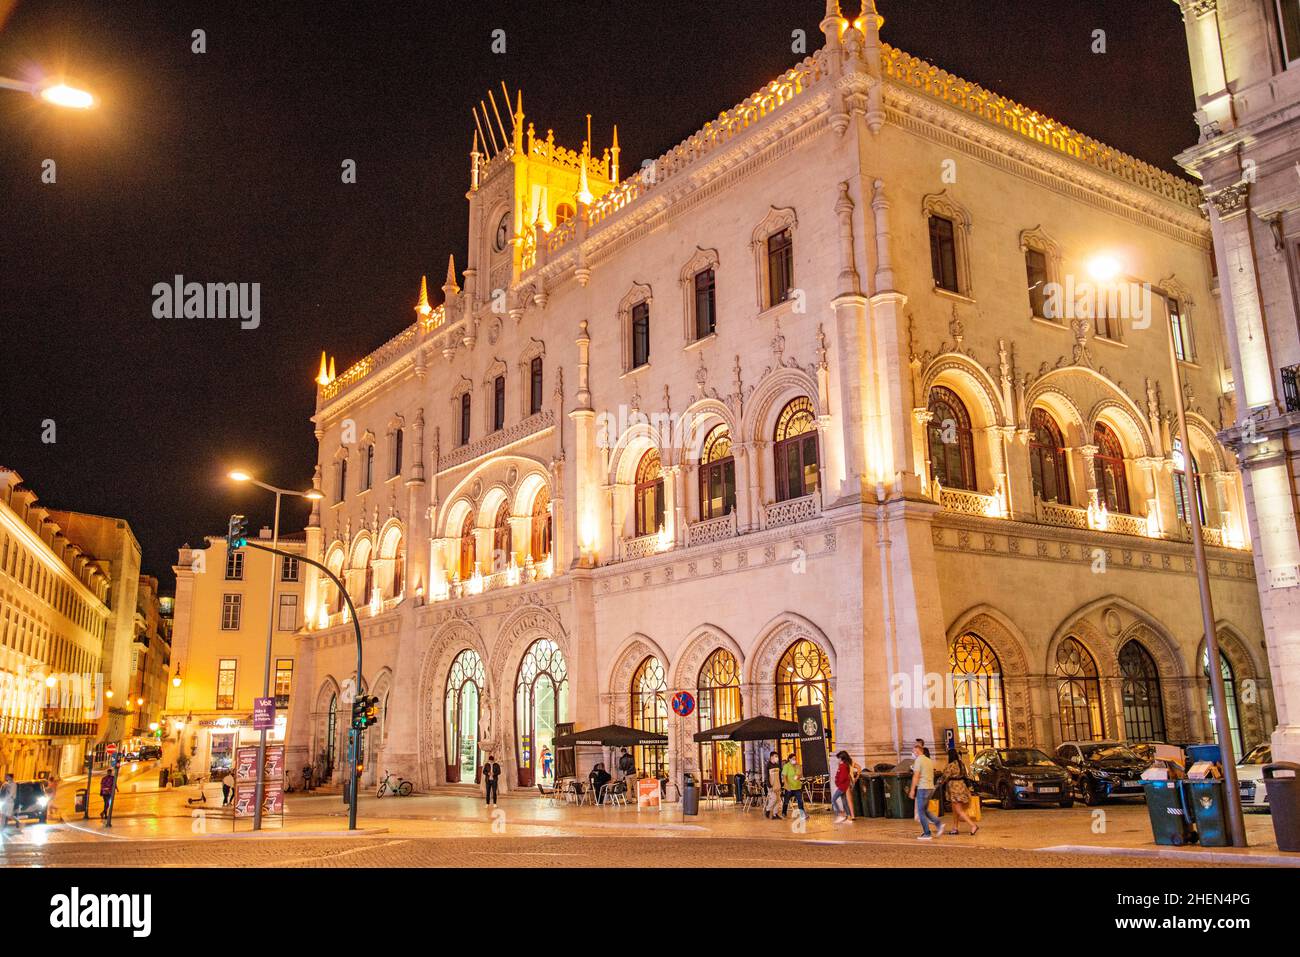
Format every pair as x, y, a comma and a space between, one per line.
611, 736
759, 728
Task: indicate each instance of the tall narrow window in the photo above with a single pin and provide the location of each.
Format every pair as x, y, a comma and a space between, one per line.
951, 443
794, 450
540, 544
1144, 713
288, 616
717, 475
368, 467
1288, 21
289, 569
464, 418
1078, 693
498, 403
977, 694
718, 693
649, 494
1182, 331
501, 539
283, 681
232, 607
780, 266
342, 490
468, 546
640, 334
1036, 273
226, 684
1108, 464
234, 565
649, 709
397, 452
705, 304
1047, 459
943, 253
1180, 486
535, 386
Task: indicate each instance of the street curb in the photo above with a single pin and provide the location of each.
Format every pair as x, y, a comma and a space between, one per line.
1209, 857
281, 835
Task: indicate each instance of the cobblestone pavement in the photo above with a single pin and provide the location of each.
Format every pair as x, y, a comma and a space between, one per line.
521, 852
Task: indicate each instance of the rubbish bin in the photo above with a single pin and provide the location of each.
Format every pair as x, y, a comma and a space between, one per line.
857, 796
1205, 801
897, 802
875, 794
690, 794
163, 774
1284, 803
347, 792
79, 801
1169, 823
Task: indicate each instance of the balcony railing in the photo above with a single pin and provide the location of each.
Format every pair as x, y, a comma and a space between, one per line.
711, 530
643, 546
791, 511
965, 502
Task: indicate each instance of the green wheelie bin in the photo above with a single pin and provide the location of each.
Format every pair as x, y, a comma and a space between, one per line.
873, 790
1169, 822
897, 802
1204, 801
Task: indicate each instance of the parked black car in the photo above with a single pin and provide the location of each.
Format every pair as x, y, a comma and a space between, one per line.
150, 752
1101, 770
31, 800
1018, 776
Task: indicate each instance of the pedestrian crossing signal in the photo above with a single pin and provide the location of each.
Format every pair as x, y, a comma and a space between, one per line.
236, 532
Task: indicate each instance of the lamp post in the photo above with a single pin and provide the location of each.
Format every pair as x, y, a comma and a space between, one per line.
1104, 269
240, 476
56, 94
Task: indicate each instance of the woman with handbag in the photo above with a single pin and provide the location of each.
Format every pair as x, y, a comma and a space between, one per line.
956, 782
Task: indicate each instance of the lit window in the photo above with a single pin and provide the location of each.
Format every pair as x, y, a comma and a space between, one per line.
232, 607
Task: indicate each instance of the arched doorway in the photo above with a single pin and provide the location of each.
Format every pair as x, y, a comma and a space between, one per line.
462, 708
1144, 713
719, 703
649, 709
1078, 693
326, 754
977, 694
804, 678
541, 703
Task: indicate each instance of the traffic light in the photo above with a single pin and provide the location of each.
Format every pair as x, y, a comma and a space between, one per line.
365, 711
237, 532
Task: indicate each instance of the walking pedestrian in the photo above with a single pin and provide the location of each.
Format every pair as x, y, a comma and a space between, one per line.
227, 788
921, 789
106, 791
306, 777
772, 784
491, 774
956, 783
8, 798
792, 784
840, 789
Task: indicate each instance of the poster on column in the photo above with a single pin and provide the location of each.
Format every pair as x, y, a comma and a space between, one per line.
812, 740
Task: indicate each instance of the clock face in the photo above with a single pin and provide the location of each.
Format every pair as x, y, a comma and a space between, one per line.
503, 233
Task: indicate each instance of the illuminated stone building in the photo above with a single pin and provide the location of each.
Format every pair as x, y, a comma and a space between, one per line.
223, 605
805, 410
54, 618
1246, 69
150, 658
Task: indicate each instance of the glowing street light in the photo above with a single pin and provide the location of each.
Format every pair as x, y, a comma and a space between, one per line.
55, 93
1104, 267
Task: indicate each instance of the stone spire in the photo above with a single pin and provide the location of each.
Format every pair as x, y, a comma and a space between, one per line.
423, 307
323, 377
449, 287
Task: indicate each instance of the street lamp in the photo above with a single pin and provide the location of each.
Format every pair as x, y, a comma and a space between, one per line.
56, 93
1100, 266
238, 475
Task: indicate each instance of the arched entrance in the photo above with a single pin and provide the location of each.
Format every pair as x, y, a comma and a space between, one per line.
720, 703
649, 708
803, 677
977, 694
541, 703
462, 709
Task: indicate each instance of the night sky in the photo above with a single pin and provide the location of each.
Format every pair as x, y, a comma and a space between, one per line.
225, 166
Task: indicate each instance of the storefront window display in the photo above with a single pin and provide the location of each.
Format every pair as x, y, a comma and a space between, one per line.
541, 703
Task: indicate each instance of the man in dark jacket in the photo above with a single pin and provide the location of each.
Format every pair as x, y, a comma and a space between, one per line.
491, 774
626, 765
106, 791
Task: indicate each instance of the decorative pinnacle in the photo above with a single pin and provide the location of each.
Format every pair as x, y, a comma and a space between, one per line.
323, 378
423, 307
449, 287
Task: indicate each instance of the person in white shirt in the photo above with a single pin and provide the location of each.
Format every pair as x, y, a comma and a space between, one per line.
922, 788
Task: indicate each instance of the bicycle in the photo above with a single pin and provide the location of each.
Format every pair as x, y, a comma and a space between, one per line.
401, 787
